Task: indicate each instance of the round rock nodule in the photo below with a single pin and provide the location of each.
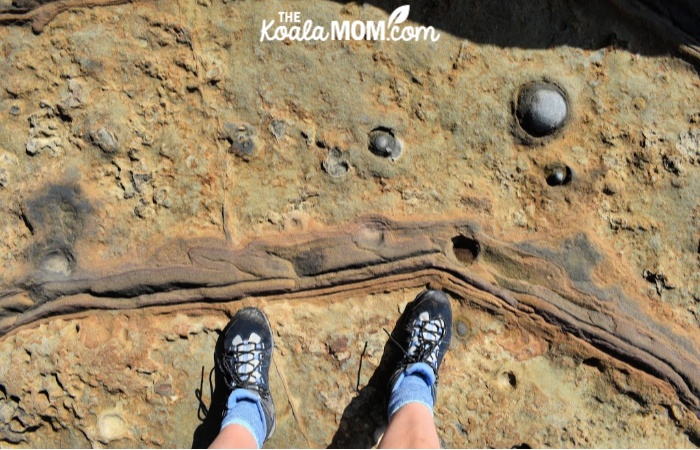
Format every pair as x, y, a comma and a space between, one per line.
542, 109
558, 174
382, 142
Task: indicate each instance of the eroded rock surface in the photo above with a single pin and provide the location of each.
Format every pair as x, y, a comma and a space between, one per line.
496, 375
160, 167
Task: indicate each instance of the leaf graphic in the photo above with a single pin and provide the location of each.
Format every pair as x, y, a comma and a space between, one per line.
399, 15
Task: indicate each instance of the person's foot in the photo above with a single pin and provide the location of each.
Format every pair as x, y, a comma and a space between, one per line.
425, 334
244, 359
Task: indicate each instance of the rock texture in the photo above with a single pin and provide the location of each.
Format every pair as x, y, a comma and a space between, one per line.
160, 167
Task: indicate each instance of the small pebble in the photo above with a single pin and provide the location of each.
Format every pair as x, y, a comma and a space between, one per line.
558, 174
242, 140
111, 427
105, 139
542, 109
15, 110
164, 389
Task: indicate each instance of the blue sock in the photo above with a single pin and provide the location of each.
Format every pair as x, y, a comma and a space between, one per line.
244, 409
413, 386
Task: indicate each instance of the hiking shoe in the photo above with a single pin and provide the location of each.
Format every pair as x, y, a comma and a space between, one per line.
426, 333
245, 356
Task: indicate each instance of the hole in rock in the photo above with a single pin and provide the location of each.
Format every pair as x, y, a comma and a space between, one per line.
511, 379
558, 174
594, 362
694, 439
466, 250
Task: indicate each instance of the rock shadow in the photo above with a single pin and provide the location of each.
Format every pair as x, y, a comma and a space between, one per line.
590, 24
587, 25
367, 412
212, 415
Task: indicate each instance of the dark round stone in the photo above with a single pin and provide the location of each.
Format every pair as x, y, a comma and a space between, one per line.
14, 110
243, 145
542, 109
242, 138
558, 174
382, 142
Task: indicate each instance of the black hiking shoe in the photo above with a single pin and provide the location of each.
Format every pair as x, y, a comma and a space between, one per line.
425, 333
245, 356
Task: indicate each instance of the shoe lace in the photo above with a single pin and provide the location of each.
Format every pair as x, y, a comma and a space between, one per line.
424, 345
243, 364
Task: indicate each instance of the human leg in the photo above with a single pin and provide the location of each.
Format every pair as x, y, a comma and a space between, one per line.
234, 436
244, 360
426, 334
411, 427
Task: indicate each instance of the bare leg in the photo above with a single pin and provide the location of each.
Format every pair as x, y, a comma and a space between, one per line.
235, 436
411, 426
